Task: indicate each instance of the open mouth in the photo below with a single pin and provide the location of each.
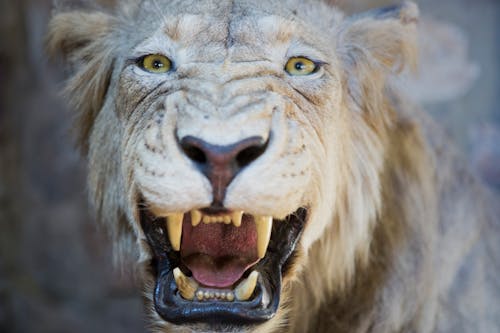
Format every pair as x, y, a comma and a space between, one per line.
220, 266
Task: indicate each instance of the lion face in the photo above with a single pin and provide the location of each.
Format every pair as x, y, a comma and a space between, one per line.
224, 145
220, 149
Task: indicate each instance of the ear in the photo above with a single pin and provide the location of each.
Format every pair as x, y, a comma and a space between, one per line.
374, 44
83, 39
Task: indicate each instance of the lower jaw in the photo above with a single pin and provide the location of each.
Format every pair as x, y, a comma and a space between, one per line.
173, 308
263, 304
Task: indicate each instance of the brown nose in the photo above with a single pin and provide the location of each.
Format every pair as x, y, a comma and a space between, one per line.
220, 164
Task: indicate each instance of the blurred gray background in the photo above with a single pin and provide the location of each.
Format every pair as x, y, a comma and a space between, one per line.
56, 273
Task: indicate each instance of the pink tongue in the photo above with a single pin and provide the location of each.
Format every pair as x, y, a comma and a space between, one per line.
218, 254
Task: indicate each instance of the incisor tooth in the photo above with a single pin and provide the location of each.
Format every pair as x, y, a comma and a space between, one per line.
174, 227
227, 219
236, 217
195, 217
245, 289
264, 226
206, 219
187, 286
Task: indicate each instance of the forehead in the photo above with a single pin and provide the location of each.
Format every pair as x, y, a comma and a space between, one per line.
218, 8
243, 27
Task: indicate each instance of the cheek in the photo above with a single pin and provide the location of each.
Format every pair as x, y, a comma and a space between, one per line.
328, 160
135, 89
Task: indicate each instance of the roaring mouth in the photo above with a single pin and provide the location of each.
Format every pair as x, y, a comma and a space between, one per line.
217, 266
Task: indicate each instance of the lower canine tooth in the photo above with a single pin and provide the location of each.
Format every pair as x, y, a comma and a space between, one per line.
187, 286
245, 289
174, 227
264, 226
195, 217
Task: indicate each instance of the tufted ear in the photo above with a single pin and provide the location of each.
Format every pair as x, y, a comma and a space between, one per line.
374, 44
82, 38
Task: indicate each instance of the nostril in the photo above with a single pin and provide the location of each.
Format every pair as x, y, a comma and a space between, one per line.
250, 154
194, 153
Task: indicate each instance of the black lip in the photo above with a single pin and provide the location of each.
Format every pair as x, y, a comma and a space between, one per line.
173, 308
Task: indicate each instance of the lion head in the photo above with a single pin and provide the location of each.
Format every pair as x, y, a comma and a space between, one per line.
226, 138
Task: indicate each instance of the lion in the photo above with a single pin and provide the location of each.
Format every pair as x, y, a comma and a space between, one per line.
257, 162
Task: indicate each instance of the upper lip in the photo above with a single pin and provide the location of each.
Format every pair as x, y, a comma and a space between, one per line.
261, 299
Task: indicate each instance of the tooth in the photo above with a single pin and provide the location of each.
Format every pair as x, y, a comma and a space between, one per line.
187, 286
264, 225
245, 289
206, 219
230, 296
236, 217
199, 295
227, 219
195, 217
266, 299
174, 226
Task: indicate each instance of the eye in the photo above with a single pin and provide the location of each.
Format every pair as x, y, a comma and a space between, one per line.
155, 63
299, 66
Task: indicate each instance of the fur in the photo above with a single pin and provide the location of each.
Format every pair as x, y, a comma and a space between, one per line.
400, 237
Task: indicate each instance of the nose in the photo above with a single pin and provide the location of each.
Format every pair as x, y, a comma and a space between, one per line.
220, 164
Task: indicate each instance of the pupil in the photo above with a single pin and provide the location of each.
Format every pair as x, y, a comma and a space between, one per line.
300, 66
157, 64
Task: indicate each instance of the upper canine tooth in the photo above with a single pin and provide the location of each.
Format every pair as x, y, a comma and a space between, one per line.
174, 227
195, 217
245, 289
187, 286
264, 226
236, 217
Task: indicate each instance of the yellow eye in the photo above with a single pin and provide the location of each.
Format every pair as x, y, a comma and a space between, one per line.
155, 63
298, 66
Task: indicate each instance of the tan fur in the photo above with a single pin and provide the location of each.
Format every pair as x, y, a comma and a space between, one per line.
399, 235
